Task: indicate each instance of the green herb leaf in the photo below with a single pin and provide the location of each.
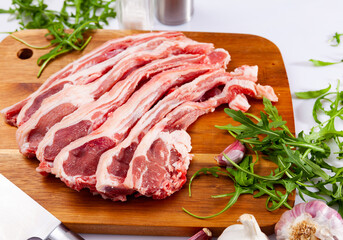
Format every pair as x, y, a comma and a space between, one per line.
319, 63
301, 161
336, 38
312, 94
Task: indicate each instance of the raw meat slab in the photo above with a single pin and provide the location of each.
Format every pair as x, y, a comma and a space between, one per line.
83, 212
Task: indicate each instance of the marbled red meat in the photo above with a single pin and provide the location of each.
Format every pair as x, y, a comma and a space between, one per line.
115, 120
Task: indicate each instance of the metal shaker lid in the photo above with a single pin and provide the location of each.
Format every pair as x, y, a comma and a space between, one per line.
174, 12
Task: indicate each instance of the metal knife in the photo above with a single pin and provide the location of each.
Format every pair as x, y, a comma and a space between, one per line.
22, 218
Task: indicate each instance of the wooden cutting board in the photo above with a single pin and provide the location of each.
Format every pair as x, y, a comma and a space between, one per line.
83, 212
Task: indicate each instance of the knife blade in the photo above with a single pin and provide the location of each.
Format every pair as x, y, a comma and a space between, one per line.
23, 218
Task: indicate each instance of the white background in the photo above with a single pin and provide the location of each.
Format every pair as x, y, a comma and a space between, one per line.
301, 30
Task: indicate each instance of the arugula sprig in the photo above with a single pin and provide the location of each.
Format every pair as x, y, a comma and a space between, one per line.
336, 41
336, 38
319, 63
78, 15
312, 94
329, 105
301, 161
246, 182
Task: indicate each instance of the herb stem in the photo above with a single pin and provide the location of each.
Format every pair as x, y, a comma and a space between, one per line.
282, 201
238, 191
305, 145
29, 45
49, 59
273, 178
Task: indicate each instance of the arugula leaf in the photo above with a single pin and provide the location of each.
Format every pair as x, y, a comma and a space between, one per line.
254, 129
319, 63
312, 94
7, 11
273, 114
336, 38
295, 158
301, 161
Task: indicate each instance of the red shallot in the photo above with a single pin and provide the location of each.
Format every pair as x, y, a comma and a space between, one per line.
203, 234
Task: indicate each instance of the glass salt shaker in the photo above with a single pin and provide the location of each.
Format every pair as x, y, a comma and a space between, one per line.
135, 14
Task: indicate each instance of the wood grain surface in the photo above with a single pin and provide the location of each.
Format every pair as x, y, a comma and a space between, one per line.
83, 212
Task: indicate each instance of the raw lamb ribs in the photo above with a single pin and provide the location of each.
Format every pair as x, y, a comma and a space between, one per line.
159, 165
86, 151
115, 120
104, 70
71, 97
56, 81
114, 164
90, 116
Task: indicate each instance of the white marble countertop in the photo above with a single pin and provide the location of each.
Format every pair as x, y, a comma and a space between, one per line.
301, 30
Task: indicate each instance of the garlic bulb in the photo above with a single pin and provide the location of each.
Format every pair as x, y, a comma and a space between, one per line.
234, 151
312, 220
248, 230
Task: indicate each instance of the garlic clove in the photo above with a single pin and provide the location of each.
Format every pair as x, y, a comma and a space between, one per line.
250, 223
248, 230
234, 151
233, 232
312, 220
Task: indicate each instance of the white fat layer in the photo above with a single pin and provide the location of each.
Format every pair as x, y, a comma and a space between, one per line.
240, 102
246, 72
102, 175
